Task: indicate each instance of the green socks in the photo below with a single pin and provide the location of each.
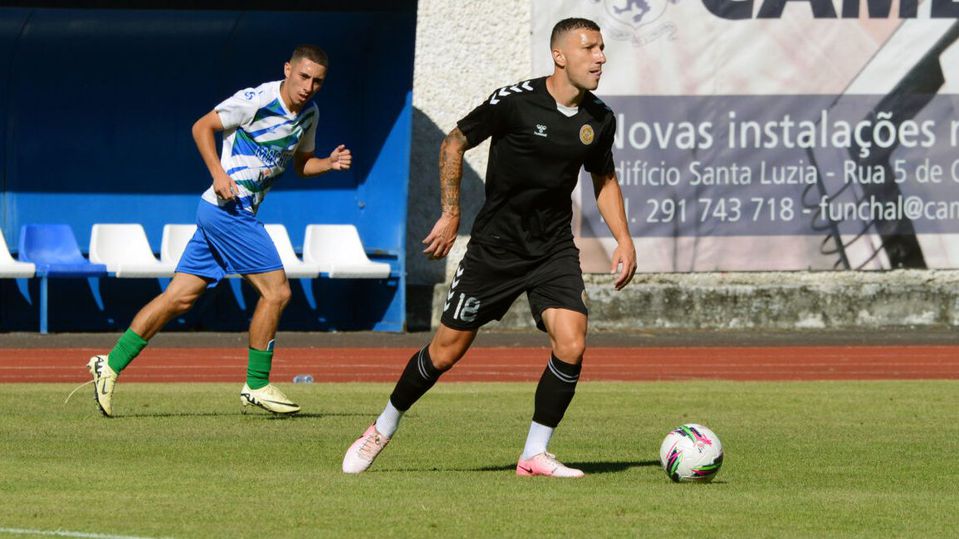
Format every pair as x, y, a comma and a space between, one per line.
258, 367
127, 348
130, 345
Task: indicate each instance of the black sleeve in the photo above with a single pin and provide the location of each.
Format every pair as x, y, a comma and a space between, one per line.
601, 160
487, 120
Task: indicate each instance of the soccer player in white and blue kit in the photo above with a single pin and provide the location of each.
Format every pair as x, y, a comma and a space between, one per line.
264, 129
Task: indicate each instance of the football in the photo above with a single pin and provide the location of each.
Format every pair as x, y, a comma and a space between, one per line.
691, 453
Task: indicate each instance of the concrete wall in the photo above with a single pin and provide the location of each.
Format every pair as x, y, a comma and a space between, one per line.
464, 50
778, 300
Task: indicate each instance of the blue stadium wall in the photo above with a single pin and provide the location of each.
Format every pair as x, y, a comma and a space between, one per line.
96, 108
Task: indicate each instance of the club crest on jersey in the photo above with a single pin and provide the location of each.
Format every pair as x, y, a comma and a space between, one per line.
540, 130
586, 134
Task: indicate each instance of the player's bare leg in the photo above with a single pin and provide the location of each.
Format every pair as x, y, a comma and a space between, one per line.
567, 334
449, 345
446, 348
274, 290
178, 298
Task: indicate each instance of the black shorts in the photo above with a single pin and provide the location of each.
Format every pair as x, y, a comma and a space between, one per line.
489, 279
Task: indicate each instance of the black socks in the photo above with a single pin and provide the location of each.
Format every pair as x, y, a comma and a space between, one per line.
418, 377
555, 391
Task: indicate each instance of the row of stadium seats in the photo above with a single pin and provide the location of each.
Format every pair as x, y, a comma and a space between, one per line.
123, 251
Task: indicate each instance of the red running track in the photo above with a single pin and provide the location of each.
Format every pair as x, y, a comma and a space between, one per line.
505, 364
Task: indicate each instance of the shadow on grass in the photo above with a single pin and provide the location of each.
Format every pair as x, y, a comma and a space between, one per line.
613, 467
251, 415
333, 414
600, 467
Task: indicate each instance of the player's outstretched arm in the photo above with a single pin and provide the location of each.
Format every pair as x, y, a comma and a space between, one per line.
204, 135
609, 200
440, 240
306, 164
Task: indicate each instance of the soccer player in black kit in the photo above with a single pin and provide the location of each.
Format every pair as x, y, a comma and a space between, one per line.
543, 130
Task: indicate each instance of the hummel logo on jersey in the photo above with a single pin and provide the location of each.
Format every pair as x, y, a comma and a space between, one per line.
524, 86
540, 130
456, 281
446, 306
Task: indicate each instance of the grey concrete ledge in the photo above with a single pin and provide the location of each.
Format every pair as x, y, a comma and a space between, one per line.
766, 300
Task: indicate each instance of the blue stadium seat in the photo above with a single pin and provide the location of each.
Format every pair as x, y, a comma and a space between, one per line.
54, 250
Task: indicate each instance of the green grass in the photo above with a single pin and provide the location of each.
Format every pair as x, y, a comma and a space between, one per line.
802, 460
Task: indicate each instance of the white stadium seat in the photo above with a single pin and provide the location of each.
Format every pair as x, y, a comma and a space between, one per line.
126, 252
294, 267
10, 268
175, 238
338, 252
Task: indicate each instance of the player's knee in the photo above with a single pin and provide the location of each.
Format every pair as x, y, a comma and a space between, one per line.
284, 295
449, 346
570, 349
445, 361
444, 357
278, 295
182, 303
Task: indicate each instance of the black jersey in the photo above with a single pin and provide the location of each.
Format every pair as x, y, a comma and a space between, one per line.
534, 160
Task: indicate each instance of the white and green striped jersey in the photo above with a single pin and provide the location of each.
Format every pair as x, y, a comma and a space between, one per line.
260, 136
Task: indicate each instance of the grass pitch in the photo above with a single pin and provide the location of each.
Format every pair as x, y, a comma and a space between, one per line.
803, 459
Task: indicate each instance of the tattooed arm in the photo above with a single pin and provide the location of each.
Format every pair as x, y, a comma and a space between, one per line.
440, 239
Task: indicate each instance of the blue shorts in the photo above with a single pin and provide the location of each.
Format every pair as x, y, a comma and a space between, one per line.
228, 240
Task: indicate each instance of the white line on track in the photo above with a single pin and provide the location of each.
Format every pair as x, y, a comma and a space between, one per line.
66, 533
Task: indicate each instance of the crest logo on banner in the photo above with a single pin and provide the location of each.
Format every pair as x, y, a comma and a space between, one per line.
638, 21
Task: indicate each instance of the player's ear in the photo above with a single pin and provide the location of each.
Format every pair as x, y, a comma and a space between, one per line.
559, 58
287, 69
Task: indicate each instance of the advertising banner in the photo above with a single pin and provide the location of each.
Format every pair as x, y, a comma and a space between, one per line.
776, 134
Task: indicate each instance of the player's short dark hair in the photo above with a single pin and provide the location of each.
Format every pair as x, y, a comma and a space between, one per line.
572, 23
311, 53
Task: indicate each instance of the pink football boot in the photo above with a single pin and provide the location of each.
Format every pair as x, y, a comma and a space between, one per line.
546, 464
364, 450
